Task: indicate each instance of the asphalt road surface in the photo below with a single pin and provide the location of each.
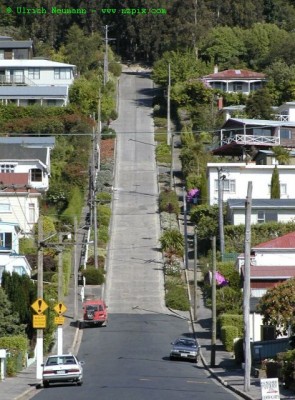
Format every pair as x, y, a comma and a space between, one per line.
129, 359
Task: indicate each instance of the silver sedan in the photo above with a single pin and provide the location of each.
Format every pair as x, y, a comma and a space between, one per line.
185, 348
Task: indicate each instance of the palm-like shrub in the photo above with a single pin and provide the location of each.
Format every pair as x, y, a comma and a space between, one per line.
172, 242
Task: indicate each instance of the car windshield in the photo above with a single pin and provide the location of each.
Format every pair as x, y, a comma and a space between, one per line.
61, 360
186, 342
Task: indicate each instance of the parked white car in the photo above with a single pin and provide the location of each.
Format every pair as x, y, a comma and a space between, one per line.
62, 368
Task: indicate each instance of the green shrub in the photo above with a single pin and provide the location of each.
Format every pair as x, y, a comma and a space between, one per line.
103, 235
163, 153
27, 246
172, 242
168, 201
74, 208
176, 295
228, 334
108, 133
231, 320
93, 276
103, 215
229, 300
104, 197
17, 347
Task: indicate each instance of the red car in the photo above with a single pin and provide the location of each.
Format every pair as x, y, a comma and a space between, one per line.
95, 312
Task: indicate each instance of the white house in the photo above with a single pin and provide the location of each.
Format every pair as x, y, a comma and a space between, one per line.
10, 260
235, 177
235, 80
20, 204
17, 158
286, 112
24, 80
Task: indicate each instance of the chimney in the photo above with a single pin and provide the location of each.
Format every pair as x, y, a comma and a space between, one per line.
215, 69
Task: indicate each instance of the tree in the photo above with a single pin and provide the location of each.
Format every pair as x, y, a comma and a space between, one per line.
282, 155
277, 306
275, 185
259, 104
9, 319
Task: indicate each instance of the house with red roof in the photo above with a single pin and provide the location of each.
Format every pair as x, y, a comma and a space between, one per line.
271, 263
235, 80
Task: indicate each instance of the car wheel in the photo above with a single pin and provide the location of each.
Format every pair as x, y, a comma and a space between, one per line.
80, 383
171, 358
46, 384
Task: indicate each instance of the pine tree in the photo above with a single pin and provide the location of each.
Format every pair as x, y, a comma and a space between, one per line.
275, 185
9, 320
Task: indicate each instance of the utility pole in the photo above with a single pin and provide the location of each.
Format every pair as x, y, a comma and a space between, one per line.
168, 107
39, 344
220, 211
93, 198
185, 230
213, 336
246, 289
75, 272
172, 163
60, 293
106, 60
195, 275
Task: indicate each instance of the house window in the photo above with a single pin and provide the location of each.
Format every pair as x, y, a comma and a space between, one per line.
1, 54
19, 269
238, 87
266, 216
286, 133
228, 185
5, 207
7, 168
32, 213
34, 73
62, 73
36, 175
283, 189
261, 132
6, 240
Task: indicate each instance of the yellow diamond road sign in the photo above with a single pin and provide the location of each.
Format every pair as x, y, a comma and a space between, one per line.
39, 306
60, 308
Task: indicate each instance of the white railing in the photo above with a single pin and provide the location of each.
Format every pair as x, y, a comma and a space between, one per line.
280, 117
252, 140
16, 80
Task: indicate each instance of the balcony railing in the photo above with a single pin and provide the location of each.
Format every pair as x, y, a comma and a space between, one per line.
16, 81
252, 140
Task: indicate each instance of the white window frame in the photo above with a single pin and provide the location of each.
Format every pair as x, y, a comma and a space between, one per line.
283, 189
32, 213
5, 208
62, 73
7, 168
227, 185
34, 73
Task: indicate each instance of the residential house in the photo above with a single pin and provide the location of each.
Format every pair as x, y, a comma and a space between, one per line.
235, 178
19, 203
17, 158
235, 80
15, 49
45, 82
10, 259
271, 263
242, 137
286, 112
262, 210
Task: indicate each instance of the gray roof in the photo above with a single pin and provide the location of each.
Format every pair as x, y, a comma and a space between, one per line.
33, 91
262, 203
260, 122
16, 152
29, 141
15, 44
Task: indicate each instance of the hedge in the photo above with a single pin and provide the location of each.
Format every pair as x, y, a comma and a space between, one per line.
228, 334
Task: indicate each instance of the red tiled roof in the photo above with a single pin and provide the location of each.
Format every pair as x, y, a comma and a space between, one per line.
20, 190
283, 242
14, 178
236, 73
272, 272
